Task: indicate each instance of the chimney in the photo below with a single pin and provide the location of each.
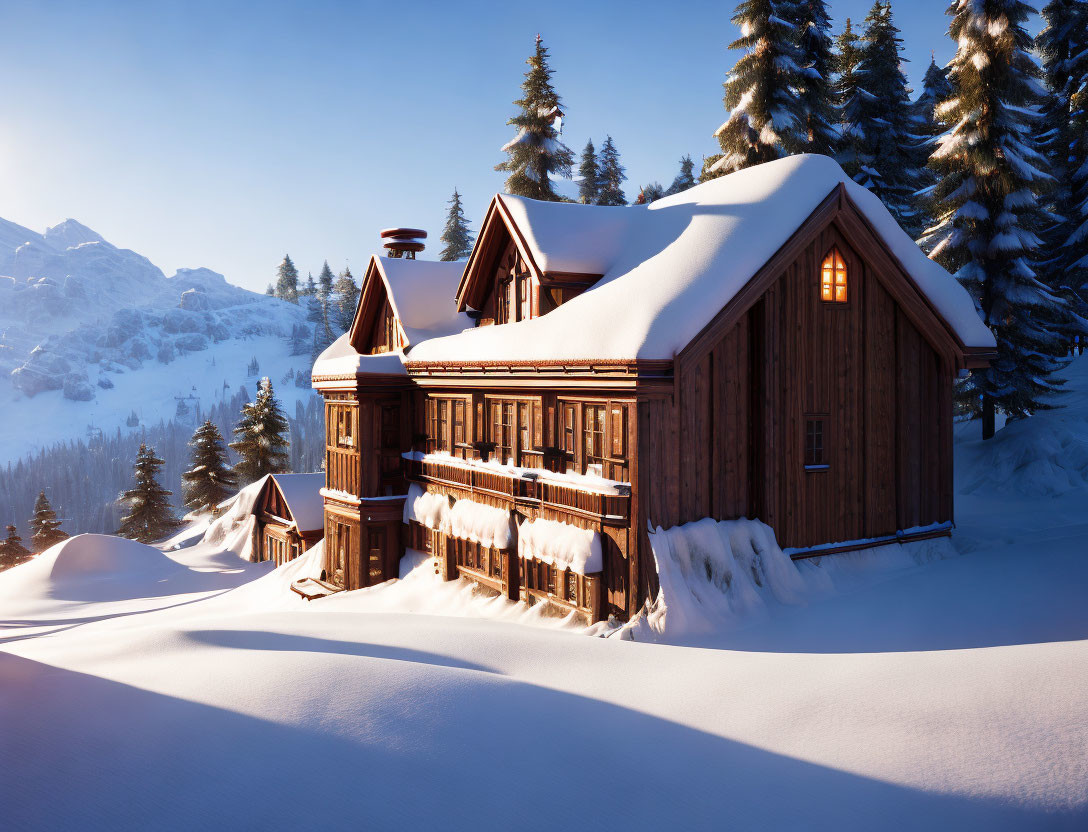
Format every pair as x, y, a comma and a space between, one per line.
403, 242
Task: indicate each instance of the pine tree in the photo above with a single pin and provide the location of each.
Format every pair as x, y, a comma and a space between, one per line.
536, 153
987, 201
589, 186
209, 480
270, 291
650, 193
685, 178
45, 528
848, 55
150, 516
324, 282
345, 301
612, 176
287, 281
455, 235
1063, 45
299, 340
880, 139
261, 433
766, 117
818, 133
12, 550
935, 89
310, 289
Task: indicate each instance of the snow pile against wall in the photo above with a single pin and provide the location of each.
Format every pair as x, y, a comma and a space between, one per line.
561, 544
426, 508
483, 524
234, 529
717, 576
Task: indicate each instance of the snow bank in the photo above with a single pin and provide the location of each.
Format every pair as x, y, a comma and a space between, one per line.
561, 544
87, 555
1044, 455
480, 523
235, 529
717, 576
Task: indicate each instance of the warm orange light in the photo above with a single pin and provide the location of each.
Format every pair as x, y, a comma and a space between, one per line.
833, 278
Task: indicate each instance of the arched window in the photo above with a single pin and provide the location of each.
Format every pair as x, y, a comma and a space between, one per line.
833, 278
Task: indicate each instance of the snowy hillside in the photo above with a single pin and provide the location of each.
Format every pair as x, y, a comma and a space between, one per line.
916, 689
91, 333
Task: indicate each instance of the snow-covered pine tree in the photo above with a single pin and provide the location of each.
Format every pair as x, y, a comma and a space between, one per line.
881, 143
456, 236
612, 175
310, 289
1063, 45
12, 550
345, 300
270, 291
209, 480
935, 89
766, 117
536, 153
685, 178
261, 433
45, 528
987, 202
287, 280
590, 173
818, 131
149, 516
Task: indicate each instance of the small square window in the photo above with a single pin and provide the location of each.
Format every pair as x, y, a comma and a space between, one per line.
815, 443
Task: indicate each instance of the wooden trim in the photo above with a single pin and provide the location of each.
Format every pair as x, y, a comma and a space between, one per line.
857, 545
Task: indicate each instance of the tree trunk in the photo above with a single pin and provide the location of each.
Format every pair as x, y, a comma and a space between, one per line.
988, 416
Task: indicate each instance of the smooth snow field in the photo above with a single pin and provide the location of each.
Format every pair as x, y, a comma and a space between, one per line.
939, 687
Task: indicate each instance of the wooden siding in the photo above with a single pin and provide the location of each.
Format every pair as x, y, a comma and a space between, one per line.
731, 440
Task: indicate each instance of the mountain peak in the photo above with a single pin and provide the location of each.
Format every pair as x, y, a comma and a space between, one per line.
70, 234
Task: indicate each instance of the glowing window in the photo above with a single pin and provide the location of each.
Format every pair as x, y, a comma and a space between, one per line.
833, 278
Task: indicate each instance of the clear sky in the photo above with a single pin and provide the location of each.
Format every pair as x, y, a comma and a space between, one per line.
223, 134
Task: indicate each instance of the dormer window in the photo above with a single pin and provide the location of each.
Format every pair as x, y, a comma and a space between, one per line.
833, 278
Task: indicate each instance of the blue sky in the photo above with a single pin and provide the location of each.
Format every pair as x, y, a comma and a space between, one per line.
223, 134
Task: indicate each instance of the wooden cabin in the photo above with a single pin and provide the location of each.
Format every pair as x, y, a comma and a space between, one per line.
290, 516
769, 344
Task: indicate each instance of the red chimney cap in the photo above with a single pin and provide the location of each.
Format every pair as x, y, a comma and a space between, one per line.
410, 233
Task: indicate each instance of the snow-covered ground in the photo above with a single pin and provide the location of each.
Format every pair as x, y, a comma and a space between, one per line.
936, 688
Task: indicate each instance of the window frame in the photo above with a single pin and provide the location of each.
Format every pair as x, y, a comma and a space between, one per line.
816, 454
829, 290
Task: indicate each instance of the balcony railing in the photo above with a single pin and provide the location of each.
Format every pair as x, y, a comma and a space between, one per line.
523, 488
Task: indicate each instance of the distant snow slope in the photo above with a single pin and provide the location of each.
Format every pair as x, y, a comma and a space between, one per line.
90, 333
196, 691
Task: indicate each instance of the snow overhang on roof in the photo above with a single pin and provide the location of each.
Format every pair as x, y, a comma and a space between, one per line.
669, 267
302, 493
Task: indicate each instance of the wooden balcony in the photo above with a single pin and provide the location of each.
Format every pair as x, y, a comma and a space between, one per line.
523, 490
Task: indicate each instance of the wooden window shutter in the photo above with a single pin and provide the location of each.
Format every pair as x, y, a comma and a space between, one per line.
618, 429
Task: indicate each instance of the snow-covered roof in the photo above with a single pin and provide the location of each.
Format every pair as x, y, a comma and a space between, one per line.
669, 267
421, 294
303, 495
341, 359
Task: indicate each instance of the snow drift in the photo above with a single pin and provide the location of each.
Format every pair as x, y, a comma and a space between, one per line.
720, 576
89, 555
